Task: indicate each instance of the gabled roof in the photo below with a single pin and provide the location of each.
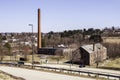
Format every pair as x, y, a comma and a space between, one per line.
89, 48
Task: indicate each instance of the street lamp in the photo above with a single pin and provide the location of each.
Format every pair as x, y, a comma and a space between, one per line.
32, 45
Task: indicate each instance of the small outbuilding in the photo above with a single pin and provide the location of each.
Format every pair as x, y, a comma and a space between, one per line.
93, 53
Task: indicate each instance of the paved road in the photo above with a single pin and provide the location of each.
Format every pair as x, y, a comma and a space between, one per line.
84, 68
105, 71
38, 75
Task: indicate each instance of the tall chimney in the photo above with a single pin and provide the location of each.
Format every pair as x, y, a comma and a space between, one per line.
39, 30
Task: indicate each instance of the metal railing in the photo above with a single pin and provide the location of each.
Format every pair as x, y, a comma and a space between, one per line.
88, 72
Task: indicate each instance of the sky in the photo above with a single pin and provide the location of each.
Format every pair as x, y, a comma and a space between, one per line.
58, 15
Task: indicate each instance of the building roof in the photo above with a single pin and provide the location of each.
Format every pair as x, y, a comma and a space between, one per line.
89, 48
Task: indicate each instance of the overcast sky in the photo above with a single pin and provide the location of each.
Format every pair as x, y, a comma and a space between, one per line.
58, 15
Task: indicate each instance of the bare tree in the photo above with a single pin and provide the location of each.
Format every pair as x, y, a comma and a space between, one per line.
8, 46
1, 49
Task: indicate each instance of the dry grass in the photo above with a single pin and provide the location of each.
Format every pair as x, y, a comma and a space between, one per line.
111, 39
4, 76
36, 58
112, 63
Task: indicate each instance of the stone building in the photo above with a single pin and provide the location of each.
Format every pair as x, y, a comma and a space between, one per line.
92, 53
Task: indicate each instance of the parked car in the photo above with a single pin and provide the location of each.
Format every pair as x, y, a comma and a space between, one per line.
81, 65
20, 63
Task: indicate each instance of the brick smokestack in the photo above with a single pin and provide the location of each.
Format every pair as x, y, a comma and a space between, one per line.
39, 29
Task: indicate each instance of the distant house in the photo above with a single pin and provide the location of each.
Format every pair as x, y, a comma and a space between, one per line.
13, 44
92, 53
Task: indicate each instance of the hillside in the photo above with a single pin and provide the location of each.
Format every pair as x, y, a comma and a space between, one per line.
109, 37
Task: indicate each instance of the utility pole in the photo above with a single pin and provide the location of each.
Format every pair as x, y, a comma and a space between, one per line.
32, 46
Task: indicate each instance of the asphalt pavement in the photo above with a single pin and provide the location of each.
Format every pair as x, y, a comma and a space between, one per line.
38, 75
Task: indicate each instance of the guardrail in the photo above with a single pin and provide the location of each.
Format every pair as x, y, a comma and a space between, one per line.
88, 72
108, 75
